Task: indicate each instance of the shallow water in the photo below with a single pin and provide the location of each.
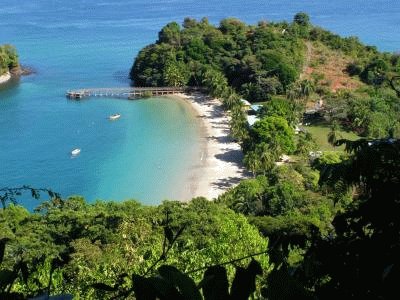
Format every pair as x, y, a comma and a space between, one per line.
92, 43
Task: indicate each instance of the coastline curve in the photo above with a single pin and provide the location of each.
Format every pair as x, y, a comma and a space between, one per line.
219, 165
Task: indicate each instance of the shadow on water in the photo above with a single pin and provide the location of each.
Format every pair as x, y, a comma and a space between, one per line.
9, 85
15, 79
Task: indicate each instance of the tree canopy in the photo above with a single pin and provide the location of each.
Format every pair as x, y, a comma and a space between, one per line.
274, 130
99, 242
257, 61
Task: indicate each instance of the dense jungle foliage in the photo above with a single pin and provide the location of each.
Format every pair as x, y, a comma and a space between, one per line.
8, 58
323, 214
100, 242
314, 225
327, 238
255, 60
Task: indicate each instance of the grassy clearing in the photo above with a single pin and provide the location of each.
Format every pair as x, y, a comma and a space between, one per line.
320, 134
281, 97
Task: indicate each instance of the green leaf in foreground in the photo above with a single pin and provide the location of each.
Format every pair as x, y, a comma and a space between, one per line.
215, 284
185, 284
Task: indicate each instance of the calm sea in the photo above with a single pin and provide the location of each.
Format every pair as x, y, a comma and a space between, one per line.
92, 43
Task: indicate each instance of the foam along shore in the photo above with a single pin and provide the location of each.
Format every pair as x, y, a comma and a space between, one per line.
219, 166
16, 73
5, 77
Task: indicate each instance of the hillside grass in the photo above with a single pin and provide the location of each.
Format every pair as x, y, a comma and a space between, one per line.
320, 134
330, 67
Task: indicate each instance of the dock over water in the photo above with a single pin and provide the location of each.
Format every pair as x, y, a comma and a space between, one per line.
129, 92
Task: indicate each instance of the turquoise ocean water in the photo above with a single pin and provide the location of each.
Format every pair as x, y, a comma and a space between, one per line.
92, 43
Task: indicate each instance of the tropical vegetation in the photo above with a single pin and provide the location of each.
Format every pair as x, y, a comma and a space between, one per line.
309, 224
82, 245
8, 58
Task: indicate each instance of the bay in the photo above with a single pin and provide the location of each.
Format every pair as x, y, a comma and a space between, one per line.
148, 152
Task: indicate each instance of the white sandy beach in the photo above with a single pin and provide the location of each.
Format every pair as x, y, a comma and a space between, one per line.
5, 77
219, 166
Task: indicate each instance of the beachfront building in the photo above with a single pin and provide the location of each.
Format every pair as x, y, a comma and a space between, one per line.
251, 119
252, 112
246, 104
255, 108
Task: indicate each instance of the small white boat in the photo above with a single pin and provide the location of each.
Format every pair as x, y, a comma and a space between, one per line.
114, 117
76, 151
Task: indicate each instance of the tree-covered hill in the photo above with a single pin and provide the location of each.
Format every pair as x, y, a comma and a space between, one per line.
358, 85
253, 59
258, 61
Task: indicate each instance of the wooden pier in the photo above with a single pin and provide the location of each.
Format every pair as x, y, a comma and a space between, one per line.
130, 92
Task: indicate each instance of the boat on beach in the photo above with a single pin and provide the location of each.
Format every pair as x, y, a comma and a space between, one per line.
114, 117
76, 151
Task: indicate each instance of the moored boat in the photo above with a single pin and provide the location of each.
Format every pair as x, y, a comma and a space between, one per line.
76, 151
114, 116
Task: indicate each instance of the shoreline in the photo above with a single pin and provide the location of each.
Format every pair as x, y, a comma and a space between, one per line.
5, 77
16, 73
219, 165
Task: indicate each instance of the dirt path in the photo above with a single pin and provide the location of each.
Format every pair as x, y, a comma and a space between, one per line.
307, 60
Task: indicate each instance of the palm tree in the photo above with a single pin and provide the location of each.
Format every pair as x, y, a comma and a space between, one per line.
334, 135
292, 92
230, 99
242, 205
306, 88
216, 82
248, 203
266, 156
252, 162
305, 144
238, 123
300, 90
173, 75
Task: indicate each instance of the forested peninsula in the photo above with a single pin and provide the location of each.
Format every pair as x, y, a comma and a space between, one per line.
318, 220
278, 60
